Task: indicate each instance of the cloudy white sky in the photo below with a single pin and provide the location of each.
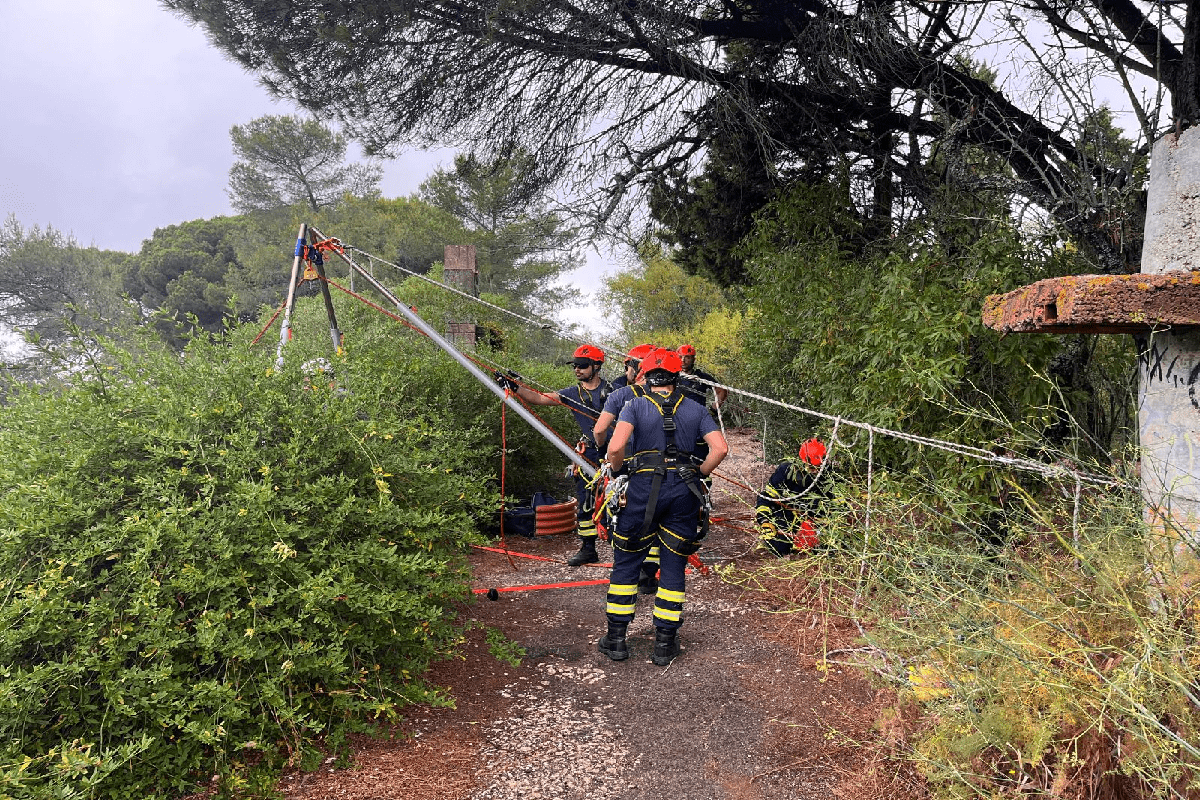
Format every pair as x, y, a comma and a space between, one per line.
119, 117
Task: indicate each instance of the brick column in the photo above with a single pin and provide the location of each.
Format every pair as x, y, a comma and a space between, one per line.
462, 274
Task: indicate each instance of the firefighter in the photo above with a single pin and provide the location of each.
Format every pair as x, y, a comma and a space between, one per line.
786, 505
694, 388
633, 363
625, 388
665, 502
584, 400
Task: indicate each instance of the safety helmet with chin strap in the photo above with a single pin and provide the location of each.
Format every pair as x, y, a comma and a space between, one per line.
662, 367
637, 354
686, 350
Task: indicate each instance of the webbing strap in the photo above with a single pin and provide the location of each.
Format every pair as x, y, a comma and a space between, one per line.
671, 401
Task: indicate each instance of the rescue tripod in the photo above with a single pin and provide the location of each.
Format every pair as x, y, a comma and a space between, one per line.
309, 252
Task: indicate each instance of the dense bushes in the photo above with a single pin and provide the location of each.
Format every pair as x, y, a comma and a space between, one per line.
206, 564
892, 335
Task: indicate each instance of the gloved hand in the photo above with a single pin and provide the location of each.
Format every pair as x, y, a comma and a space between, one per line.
508, 381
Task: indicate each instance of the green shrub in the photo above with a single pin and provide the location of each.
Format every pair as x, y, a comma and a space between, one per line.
1050, 664
206, 564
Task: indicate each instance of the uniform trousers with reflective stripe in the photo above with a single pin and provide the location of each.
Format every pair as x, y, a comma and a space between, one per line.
676, 516
583, 514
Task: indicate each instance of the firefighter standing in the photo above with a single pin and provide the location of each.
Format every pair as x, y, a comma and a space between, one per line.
694, 388
664, 502
633, 363
584, 400
625, 388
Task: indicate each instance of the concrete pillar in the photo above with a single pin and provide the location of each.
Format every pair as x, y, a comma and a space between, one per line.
1169, 362
462, 274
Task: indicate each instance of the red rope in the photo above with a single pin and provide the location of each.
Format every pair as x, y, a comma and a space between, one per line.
535, 558
503, 462
535, 587
271, 321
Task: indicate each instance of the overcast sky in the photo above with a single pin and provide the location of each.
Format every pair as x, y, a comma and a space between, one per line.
119, 117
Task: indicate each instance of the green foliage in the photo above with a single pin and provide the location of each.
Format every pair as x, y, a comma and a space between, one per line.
503, 649
181, 271
657, 301
289, 161
893, 337
49, 283
1035, 657
521, 246
206, 564
227, 268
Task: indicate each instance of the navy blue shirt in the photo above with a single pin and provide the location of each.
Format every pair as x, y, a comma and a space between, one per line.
620, 396
692, 422
585, 404
693, 388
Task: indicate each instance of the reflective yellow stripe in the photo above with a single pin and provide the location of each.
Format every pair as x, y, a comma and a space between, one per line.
625, 589
620, 609
670, 595
667, 614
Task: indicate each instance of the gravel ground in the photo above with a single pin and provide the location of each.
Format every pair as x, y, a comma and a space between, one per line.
744, 712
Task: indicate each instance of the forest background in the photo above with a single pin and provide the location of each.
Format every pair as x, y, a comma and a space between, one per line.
820, 198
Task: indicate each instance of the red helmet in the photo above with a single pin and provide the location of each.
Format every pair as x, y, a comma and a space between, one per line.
639, 352
590, 351
662, 360
812, 452
686, 350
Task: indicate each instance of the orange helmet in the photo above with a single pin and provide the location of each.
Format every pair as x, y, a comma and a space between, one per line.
812, 452
686, 350
590, 351
638, 353
662, 361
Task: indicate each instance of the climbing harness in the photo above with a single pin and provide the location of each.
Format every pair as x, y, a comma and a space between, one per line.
658, 463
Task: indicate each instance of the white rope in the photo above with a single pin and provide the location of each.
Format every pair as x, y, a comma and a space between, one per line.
607, 347
870, 475
825, 462
978, 453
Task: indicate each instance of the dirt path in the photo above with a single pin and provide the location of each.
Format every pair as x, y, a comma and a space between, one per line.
744, 712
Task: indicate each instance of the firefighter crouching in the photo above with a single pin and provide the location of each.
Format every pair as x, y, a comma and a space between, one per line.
664, 502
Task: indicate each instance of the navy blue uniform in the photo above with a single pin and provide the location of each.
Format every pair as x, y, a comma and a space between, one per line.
675, 517
785, 506
585, 405
616, 401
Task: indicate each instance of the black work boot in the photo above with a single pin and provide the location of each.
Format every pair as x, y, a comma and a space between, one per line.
586, 555
612, 644
648, 583
666, 646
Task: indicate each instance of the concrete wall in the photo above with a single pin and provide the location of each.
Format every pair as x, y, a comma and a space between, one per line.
1169, 362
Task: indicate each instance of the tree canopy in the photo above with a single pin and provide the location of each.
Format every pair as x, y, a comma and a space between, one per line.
522, 246
620, 94
287, 160
48, 283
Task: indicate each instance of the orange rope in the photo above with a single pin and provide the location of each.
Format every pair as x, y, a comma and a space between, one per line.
271, 321
503, 462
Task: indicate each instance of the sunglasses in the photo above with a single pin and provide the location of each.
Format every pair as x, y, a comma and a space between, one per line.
582, 363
